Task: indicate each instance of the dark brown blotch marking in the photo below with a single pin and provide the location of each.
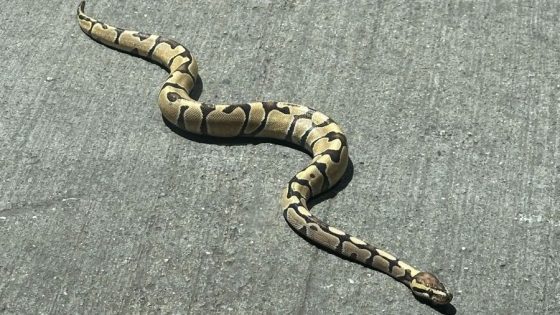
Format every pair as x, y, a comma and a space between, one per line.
268, 107
174, 85
141, 36
206, 109
302, 182
296, 118
181, 118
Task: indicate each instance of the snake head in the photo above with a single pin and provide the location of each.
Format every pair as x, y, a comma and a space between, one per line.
427, 287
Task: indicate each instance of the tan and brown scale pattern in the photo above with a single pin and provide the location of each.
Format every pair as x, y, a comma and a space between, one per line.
297, 124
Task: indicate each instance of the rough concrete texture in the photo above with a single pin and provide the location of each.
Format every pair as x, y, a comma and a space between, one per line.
452, 113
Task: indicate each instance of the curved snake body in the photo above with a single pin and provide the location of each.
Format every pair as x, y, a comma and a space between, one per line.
300, 125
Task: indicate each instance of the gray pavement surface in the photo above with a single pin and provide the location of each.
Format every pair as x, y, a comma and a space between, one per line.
452, 113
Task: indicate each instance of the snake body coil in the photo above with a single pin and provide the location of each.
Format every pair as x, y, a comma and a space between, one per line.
300, 125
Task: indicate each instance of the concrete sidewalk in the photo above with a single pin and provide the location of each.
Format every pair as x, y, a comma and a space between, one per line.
451, 110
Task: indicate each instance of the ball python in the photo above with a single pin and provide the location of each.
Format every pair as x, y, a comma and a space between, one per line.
305, 127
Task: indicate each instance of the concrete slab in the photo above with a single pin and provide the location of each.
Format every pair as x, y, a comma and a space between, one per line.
452, 113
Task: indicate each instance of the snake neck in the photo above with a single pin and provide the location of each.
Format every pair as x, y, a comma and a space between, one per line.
339, 242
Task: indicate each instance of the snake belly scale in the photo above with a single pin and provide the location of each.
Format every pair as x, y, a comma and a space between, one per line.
297, 124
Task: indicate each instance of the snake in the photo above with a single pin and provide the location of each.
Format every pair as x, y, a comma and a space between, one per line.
298, 125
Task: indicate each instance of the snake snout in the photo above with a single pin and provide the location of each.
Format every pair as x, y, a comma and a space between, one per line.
428, 287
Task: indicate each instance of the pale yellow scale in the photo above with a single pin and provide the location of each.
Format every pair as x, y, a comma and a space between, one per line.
326, 239
362, 255
277, 125
222, 124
